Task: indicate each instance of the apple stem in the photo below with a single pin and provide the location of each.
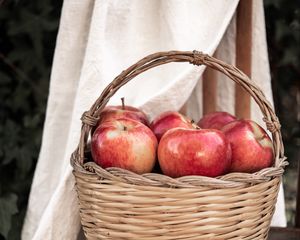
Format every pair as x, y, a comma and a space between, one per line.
194, 124
123, 103
124, 128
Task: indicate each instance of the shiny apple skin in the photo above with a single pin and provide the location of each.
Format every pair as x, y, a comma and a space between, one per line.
168, 120
252, 148
204, 152
216, 120
115, 112
126, 144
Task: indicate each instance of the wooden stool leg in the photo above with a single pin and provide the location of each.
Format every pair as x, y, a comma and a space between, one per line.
209, 91
243, 55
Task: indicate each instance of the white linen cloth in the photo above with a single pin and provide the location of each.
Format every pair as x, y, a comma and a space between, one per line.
99, 39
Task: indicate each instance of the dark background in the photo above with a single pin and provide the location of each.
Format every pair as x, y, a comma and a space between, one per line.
27, 40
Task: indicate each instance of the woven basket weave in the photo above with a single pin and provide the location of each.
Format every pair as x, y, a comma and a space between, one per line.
119, 204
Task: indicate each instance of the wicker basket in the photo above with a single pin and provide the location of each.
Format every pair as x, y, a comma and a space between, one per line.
118, 204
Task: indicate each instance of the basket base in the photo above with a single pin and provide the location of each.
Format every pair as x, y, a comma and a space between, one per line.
117, 210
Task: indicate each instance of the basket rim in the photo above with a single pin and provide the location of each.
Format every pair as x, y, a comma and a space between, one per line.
91, 117
230, 180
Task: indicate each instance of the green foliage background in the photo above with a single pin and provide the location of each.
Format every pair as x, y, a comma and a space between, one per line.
27, 40
283, 32
28, 34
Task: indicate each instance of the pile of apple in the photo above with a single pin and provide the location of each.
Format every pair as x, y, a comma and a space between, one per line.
220, 143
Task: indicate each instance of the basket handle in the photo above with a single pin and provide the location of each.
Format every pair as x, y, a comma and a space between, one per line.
91, 117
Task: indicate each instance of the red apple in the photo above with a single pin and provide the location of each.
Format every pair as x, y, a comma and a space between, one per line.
169, 120
204, 152
216, 120
123, 111
124, 143
252, 148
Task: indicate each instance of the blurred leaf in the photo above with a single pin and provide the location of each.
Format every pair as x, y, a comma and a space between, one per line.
272, 3
31, 121
282, 30
8, 207
4, 78
289, 57
23, 160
